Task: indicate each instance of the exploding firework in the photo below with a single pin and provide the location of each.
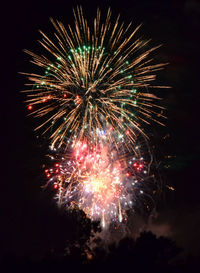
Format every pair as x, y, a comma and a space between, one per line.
93, 98
94, 77
102, 180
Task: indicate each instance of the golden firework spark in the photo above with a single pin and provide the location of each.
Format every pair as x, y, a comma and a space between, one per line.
95, 79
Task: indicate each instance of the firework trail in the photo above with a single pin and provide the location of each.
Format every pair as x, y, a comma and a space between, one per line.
94, 101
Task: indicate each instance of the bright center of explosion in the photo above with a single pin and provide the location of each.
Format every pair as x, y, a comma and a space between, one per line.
97, 184
100, 173
101, 194
103, 186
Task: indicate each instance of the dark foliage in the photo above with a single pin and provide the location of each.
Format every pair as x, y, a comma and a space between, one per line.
145, 254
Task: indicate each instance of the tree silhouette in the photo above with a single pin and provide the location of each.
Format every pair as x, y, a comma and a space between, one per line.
145, 254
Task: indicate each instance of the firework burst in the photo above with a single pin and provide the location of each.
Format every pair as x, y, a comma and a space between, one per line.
94, 77
102, 180
93, 98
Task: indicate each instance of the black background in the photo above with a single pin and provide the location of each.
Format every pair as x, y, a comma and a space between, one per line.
31, 223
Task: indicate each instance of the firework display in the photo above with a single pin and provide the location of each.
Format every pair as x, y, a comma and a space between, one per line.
94, 102
102, 180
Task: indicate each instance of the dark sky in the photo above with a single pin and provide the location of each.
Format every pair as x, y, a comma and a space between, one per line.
31, 224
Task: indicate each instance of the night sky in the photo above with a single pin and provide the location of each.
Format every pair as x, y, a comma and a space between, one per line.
31, 223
